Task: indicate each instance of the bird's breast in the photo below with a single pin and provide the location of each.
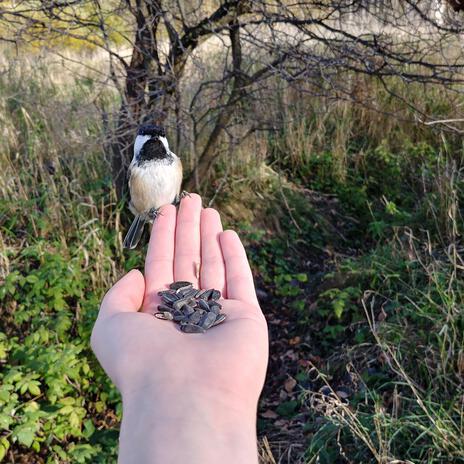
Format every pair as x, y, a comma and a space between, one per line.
154, 184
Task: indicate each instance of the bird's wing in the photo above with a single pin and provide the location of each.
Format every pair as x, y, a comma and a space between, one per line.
128, 178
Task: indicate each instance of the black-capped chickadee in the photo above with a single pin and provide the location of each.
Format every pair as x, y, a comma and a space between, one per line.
154, 176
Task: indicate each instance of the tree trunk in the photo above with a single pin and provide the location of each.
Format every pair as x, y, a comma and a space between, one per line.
134, 100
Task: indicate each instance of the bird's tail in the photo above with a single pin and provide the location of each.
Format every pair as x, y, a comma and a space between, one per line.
135, 231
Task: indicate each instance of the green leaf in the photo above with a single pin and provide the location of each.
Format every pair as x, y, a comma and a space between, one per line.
5, 421
82, 453
32, 279
4, 394
74, 420
4, 445
3, 451
67, 400
32, 406
89, 428
287, 409
25, 434
66, 410
339, 307
33, 387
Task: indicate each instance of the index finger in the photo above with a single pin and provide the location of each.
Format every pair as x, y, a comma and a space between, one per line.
160, 254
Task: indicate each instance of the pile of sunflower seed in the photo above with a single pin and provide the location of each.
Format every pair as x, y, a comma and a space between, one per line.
194, 310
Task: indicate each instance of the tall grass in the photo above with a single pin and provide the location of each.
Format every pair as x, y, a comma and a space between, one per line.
54, 174
396, 182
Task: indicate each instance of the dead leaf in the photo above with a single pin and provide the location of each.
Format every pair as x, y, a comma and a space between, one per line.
342, 394
269, 414
281, 423
290, 384
382, 315
294, 341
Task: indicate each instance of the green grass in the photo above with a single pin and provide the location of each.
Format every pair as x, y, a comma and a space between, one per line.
376, 212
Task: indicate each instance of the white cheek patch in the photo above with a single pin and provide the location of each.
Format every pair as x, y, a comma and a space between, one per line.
139, 142
164, 141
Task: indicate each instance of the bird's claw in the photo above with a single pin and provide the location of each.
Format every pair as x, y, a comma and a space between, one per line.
152, 214
179, 197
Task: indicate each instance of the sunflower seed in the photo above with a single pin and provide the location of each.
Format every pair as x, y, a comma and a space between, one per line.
203, 305
219, 318
180, 291
164, 292
164, 315
171, 299
189, 293
194, 310
187, 310
195, 317
180, 284
163, 307
168, 297
207, 294
208, 320
178, 316
192, 328
215, 294
200, 293
179, 303
214, 308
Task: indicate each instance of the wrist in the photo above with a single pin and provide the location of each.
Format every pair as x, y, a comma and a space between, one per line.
172, 426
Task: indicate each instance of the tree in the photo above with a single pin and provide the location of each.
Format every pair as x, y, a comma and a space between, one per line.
239, 52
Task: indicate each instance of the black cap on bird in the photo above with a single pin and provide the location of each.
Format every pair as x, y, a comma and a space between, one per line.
152, 130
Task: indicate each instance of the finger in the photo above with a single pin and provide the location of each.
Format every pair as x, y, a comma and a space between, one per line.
187, 247
159, 261
160, 254
126, 295
239, 280
212, 274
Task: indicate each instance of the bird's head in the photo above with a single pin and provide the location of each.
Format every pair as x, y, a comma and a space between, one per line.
151, 143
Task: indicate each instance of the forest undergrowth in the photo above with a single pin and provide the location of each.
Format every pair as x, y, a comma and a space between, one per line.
352, 221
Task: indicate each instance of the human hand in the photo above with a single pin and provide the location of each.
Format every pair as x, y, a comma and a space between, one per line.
219, 374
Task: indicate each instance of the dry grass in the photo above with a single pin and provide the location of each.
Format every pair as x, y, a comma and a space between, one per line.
56, 192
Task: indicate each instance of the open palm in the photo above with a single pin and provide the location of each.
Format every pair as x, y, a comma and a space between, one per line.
138, 350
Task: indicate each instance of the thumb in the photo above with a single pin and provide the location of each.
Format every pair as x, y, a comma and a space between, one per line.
126, 295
